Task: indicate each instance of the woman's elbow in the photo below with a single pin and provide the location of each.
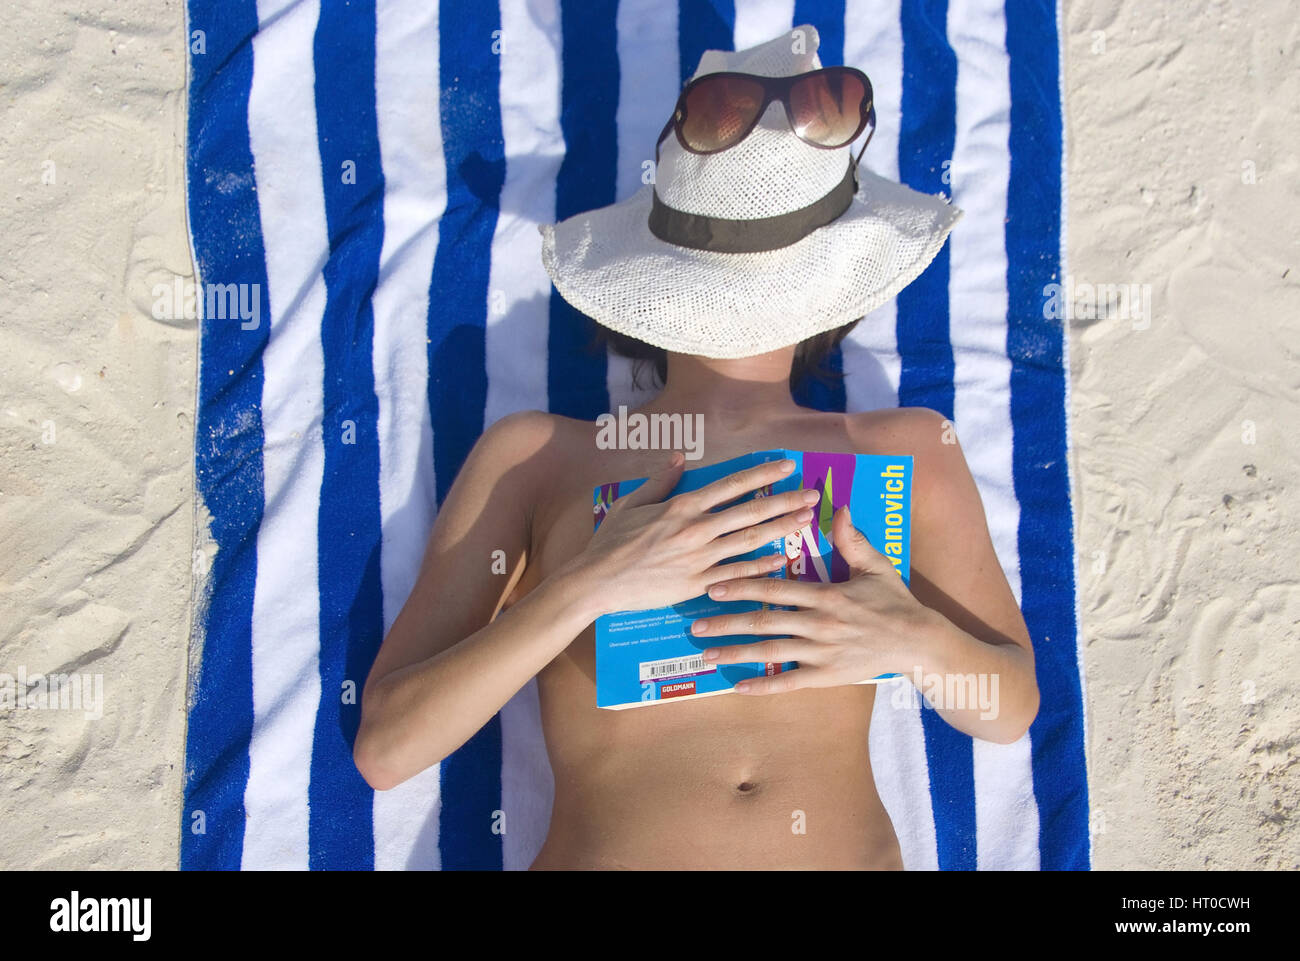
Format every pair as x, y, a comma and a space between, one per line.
372, 750
1026, 706
1025, 719
370, 766
376, 760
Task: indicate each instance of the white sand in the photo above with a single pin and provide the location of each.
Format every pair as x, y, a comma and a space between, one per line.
1188, 575
96, 430
1188, 582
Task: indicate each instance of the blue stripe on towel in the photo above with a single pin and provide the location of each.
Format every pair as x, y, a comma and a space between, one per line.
341, 829
474, 148
225, 225
1042, 481
703, 25
925, 144
828, 17
589, 89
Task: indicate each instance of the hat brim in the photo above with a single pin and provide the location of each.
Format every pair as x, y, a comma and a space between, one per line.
609, 266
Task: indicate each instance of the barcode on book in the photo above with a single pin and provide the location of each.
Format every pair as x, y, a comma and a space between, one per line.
675, 667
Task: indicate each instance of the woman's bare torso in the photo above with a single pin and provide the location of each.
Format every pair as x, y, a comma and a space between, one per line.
779, 781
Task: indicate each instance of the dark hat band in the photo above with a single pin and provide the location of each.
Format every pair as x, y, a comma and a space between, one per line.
722, 234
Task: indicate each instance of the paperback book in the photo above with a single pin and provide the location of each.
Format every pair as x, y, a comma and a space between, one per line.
648, 656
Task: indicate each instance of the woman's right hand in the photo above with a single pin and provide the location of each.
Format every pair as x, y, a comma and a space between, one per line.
649, 552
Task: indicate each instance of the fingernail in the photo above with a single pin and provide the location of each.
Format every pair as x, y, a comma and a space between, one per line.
742, 687
711, 654
804, 514
787, 466
718, 590
699, 627
811, 497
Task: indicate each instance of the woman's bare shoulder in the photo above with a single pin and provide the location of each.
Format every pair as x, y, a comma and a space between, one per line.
533, 447
898, 430
532, 432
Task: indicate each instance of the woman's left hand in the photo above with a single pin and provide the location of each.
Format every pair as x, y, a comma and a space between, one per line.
843, 632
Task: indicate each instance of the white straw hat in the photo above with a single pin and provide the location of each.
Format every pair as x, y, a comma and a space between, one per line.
611, 266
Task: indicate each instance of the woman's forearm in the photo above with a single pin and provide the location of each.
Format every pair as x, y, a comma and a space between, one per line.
985, 690
417, 715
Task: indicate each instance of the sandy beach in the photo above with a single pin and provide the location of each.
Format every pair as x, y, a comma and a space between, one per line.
1183, 448
1183, 197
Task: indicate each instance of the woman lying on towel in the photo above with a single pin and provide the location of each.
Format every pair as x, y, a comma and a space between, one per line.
754, 255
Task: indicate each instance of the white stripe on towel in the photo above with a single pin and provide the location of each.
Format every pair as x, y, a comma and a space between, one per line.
519, 289
286, 597
757, 21
901, 770
518, 323
415, 197
1006, 816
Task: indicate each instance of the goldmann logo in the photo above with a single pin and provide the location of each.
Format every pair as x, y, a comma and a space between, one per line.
102, 914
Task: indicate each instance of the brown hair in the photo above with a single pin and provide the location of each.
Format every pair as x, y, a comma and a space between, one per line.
808, 356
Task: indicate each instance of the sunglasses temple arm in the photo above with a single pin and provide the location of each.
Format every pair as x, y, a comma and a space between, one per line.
662, 134
858, 158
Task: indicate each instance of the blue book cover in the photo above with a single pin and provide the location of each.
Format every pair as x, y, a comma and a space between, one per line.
643, 657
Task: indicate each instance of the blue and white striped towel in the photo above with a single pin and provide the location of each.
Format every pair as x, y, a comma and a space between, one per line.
377, 168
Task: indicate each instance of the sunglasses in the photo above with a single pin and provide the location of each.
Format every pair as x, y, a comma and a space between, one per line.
826, 108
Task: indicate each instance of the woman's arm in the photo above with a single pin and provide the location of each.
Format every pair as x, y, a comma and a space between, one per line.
977, 634
447, 666
958, 634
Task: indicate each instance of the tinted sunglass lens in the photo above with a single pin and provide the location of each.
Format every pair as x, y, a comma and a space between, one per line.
719, 112
827, 107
